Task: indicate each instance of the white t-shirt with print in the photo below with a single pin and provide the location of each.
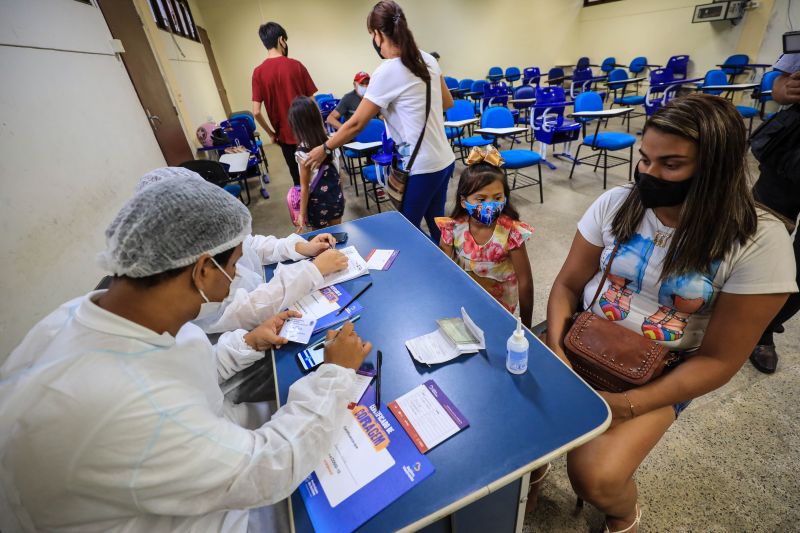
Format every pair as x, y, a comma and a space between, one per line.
675, 312
401, 97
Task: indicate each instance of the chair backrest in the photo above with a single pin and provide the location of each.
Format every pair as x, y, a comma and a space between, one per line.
478, 86
451, 82
550, 103
496, 93
466, 83
495, 74
372, 132
555, 72
608, 64
638, 65
588, 101
246, 118
767, 82
211, 171
322, 96
736, 59
461, 110
497, 117
237, 132
661, 76
326, 106
512, 74
524, 91
715, 77
583, 62
679, 65
531, 75
616, 75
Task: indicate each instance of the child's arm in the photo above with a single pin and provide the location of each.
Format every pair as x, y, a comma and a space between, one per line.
305, 184
446, 248
522, 267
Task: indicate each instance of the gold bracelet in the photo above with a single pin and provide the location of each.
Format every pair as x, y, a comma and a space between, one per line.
633, 414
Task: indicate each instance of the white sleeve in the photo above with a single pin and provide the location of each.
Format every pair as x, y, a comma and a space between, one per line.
249, 309
196, 461
601, 214
766, 264
273, 250
233, 354
383, 86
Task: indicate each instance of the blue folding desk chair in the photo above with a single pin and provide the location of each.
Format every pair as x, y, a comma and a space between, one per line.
663, 88
714, 77
463, 140
237, 131
734, 65
495, 94
476, 93
638, 65
601, 143
517, 159
450, 82
354, 160
249, 122
582, 81
512, 74
679, 66
531, 76
376, 174
619, 97
522, 108
495, 74
556, 76
549, 125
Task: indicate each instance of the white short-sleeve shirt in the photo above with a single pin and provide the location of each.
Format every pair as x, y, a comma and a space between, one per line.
401, 97
676, 311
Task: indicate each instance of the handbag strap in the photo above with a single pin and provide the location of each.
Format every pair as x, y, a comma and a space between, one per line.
605, 275
424, 125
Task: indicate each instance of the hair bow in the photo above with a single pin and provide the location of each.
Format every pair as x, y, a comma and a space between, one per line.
490, 155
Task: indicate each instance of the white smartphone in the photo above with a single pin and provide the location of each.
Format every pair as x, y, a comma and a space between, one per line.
312, 357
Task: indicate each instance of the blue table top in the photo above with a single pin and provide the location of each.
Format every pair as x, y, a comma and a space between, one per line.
517, 422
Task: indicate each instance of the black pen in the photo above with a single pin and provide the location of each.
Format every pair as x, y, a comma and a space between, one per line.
378, 381
353, 299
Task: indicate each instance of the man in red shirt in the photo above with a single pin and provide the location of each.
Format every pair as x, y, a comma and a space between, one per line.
276, 82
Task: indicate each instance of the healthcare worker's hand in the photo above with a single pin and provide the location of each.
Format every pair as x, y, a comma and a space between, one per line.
266, 335
345, 348
317, 245
330, 261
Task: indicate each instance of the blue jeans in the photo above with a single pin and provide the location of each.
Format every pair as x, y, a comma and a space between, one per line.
425, 197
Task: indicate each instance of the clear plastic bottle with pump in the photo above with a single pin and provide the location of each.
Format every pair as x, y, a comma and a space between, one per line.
517, 351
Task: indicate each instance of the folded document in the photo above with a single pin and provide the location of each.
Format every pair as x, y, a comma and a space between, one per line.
454, 337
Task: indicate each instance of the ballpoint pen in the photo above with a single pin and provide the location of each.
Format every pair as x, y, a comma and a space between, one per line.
378, 380
353, 299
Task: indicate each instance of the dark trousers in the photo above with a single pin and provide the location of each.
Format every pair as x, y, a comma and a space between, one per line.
782, 195
288, 154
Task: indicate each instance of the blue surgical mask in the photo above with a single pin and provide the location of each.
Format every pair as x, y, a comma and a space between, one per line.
485, 212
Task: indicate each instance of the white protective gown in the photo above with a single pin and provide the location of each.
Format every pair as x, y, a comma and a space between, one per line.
107, 426
251, 300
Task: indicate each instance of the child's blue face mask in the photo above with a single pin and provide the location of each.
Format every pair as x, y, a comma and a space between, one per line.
485, 212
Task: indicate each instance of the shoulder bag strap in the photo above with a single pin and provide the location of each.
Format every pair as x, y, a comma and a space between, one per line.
424, 125
605, 275
321, 172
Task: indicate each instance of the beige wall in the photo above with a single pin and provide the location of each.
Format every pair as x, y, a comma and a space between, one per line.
73, 141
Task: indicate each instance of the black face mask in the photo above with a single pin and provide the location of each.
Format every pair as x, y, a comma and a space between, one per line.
655, 192
285, 49
377, 48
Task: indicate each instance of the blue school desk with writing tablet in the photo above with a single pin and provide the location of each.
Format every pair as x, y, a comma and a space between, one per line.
517, 422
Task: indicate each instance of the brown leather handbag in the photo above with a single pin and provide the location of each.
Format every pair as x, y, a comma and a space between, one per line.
610, 357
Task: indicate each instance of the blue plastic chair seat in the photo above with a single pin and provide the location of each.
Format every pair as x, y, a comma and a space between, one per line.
747, 111
369, 173
520, 158
629, 100
469, 142
350, 153
234, 189
611, 140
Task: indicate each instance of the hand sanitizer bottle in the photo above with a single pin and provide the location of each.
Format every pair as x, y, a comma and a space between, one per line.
517, 354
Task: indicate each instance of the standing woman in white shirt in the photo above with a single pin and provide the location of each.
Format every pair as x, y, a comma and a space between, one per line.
397, 91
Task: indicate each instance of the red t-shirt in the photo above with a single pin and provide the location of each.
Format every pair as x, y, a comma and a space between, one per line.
276, 82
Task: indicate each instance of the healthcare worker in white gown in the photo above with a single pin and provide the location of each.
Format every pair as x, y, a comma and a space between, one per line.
111, 417
252, 300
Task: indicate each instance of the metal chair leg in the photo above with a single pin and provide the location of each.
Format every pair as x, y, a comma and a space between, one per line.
630, 165
605, 167
541, 194
574, 161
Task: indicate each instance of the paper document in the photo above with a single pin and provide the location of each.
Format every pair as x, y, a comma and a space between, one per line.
454, 337
356, 267
323, 304
381, 259
428, 415
354, 461
360, 386
298, 329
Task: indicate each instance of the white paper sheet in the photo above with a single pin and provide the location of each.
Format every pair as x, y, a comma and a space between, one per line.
351, 464
298, 329
315, 306
360, 386
430, 420
356, 267
436, 347
379, 258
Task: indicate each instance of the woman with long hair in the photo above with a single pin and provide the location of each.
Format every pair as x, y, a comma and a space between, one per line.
397, 90
699, 268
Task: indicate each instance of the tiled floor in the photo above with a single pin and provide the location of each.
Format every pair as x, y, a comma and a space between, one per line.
732, 461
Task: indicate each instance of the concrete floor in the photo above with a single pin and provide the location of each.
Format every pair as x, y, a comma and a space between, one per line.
730, 464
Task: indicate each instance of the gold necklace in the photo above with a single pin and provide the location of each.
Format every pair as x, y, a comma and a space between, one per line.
661, 238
